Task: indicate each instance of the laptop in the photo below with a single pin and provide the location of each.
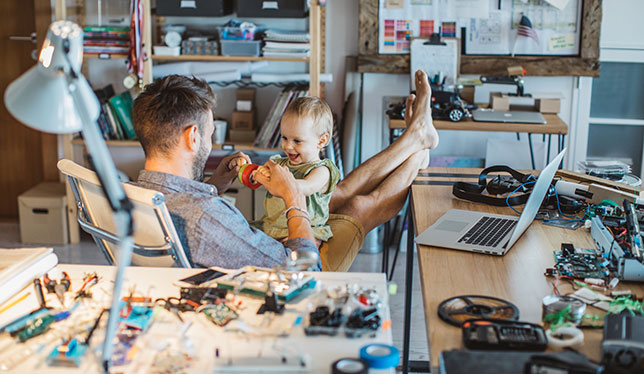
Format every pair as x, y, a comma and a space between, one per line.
488, 233
508, 117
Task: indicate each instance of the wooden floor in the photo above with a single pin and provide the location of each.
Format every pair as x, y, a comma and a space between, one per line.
86, 252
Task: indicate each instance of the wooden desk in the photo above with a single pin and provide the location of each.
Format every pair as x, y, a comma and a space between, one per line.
516, 277
553, 126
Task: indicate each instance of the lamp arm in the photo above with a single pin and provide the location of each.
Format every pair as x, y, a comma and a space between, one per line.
121, 205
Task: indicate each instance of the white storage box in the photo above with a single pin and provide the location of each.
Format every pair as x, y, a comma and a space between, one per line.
43, 214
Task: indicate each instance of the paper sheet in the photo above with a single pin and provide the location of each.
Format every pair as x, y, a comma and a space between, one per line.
435, 59
398, 25
468, 8
489, 35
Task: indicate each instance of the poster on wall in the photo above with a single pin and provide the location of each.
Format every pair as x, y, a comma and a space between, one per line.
491, 27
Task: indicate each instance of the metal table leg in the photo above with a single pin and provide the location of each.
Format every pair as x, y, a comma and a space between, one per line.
409, 277
410, 366
531, 151
548, 154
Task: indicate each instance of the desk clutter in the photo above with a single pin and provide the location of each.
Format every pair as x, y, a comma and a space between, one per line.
587, 293
240, 321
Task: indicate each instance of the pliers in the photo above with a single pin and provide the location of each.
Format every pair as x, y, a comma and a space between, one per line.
58, 287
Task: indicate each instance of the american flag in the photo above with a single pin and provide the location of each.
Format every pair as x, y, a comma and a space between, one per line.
526, 29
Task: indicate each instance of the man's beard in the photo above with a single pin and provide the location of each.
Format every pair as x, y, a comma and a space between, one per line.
200, 163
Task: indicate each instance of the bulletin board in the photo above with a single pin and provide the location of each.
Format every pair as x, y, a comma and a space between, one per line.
563, 41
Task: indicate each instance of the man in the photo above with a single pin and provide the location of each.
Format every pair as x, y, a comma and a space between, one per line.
173, 119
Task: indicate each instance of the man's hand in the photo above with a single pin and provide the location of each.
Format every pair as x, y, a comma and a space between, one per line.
224, 175
279, 181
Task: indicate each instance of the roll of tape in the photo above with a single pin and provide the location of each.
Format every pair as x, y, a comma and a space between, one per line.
575, 337
380, 356
349, 366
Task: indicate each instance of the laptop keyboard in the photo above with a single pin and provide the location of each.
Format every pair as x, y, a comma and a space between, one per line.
488, 231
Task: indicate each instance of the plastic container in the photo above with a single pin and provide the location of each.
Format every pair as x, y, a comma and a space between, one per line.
247, 48
272, 8
194, 8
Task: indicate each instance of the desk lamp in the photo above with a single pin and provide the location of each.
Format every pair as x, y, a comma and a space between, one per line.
54, 97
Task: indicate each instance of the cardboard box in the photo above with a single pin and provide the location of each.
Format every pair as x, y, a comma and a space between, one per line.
467, 94
43, 214
499, 102
243, 136
246, 94
243, 120
548, 105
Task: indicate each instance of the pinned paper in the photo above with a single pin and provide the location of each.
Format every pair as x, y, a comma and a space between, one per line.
395, 4
468, 8
561, 41
559, 4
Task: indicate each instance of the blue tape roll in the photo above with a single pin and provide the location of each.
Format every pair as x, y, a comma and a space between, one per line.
380, 356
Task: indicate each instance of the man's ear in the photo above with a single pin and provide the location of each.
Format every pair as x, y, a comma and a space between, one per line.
324, 140
191, 138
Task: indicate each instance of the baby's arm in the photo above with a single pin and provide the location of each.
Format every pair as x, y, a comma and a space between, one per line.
316, 181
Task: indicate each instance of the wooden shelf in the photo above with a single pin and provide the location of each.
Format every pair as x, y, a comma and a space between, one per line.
104, 56
228, 146
225, 58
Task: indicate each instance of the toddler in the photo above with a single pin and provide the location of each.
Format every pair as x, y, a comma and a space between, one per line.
306, 128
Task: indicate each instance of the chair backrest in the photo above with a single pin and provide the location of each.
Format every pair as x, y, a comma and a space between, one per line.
156, 242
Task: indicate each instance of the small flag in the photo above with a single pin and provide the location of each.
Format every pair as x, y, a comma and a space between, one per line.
526, 29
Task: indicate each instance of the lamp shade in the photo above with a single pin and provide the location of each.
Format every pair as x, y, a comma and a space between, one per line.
41, 98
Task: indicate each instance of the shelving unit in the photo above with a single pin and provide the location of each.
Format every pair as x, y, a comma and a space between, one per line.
315, 64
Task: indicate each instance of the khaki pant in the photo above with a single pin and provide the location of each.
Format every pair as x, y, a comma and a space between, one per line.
339, 252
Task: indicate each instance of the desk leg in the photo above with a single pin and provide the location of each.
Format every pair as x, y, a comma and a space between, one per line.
548, 154
562, 142
531, 151
409, 280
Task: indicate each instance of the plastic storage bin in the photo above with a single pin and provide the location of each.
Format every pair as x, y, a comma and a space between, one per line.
272, 8
247, 48
194, 8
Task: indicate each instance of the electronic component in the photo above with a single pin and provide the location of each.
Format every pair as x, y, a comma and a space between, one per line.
362, 322
580, 263
220, 314
626, 266
459, 309
203, 277
200, 295
552, 305
633, 227
255, 281
67, 354
623, 343
503, 335
323, 322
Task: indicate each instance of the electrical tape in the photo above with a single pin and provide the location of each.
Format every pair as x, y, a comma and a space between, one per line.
575, 337
349, 366
380, 356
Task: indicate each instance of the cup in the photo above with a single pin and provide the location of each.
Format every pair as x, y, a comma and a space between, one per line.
219, 135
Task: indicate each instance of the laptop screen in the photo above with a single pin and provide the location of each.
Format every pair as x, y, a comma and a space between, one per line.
539, 191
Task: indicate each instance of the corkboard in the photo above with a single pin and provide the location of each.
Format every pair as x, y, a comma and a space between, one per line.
586, 64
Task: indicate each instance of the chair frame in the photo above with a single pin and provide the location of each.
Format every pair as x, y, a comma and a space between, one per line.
171, 247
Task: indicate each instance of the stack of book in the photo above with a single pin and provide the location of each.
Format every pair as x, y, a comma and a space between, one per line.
115, 119
269, 134
286, 44
106, 40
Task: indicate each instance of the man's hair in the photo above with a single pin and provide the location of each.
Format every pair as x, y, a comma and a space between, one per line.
166, 107
315, 108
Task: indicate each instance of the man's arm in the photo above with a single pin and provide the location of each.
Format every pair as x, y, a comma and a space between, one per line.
223, 176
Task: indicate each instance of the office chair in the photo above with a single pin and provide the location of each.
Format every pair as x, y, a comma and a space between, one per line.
156, 242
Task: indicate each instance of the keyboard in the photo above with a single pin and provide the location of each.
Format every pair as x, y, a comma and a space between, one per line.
488, 231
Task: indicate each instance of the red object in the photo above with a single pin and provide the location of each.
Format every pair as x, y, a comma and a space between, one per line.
244, 176
363, 300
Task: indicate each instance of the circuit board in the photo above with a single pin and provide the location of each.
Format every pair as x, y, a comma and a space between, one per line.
581, 263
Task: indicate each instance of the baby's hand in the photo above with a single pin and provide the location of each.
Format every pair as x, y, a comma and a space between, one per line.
237, 161
263, 170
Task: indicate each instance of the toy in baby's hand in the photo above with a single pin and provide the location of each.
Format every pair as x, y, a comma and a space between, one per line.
246, 175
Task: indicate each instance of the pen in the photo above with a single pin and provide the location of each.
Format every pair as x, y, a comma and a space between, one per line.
14, 303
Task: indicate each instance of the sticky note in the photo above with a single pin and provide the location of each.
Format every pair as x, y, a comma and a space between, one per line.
561, 41
394, 3
559, 4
